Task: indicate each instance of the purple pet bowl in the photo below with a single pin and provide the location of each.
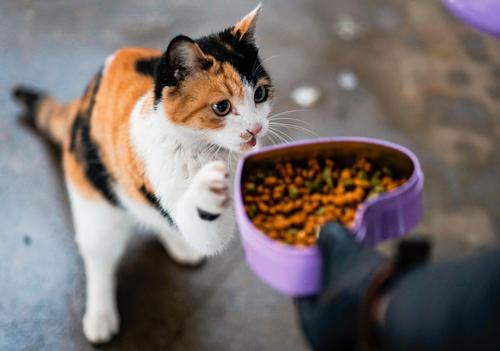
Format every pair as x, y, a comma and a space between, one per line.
484, 15
297, 271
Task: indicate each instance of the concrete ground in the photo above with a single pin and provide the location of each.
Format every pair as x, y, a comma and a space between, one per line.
404, 71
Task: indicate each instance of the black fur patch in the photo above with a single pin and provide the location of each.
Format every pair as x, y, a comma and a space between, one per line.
163, 77
241, 54
153, 200
147, 66
173, 66
207, 216
86, 150
29, 97
224, 47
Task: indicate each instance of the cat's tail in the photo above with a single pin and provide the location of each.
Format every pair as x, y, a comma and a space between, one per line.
44, 113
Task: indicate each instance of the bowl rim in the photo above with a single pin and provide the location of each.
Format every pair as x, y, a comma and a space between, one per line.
475, 15
363, 207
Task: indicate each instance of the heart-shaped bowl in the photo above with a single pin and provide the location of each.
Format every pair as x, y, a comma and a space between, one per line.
296, 271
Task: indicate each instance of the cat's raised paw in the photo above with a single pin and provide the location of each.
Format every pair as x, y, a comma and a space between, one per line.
212, 187
100, 327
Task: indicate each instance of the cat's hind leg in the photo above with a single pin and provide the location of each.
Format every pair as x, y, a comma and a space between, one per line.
102, 232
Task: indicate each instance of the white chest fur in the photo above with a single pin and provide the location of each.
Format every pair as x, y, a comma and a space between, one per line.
170, 159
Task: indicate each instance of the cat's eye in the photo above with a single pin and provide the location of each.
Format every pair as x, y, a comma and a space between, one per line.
222, 108
260, 94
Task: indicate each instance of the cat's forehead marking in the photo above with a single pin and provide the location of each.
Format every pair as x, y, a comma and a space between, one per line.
241, 54
231, 80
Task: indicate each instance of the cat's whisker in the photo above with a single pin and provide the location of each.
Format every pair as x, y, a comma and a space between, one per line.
278, 141
235, 159
290, 120
212, 149
263, 61
284, 134
273, 135
292, 126
282, 140
228, 159
271, 139
273, 132
287, 113
207, 152
271, 57
279, 136
232, 159
206, 148
218, 149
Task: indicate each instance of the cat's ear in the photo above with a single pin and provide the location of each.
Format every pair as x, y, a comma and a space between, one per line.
182, 56
245, 28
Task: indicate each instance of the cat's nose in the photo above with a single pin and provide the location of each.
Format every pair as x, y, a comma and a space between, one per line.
255, 130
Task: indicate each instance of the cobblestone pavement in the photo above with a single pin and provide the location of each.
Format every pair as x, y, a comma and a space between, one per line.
404, 71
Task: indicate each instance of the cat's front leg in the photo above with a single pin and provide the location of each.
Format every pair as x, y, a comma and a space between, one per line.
204, 214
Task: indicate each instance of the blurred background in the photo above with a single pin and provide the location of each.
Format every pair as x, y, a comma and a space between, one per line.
405, 71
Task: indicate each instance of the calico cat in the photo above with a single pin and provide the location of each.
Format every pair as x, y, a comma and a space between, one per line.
148, 143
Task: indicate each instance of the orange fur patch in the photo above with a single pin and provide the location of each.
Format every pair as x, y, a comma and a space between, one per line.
190, 104
76, 176
120, 89
54, 119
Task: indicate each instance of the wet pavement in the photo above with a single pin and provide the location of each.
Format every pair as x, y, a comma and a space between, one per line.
403, 71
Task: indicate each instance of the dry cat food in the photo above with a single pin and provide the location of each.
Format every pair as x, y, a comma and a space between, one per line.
290, 202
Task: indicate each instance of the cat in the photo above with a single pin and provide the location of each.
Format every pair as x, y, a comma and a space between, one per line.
148, 143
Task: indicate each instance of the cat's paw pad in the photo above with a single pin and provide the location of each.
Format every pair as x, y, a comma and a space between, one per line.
213, 187
100, 327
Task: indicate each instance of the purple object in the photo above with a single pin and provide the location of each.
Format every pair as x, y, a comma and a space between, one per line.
481, 14
297, 271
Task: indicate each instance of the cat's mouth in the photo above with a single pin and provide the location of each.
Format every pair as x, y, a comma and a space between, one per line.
252, 142
249, 144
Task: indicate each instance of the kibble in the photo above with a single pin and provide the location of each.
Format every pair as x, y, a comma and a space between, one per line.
291, 201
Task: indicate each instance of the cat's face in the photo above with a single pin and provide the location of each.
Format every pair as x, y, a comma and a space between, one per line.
216, 86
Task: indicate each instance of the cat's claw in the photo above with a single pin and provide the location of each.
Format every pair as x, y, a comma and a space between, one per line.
100, 327
213, 187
